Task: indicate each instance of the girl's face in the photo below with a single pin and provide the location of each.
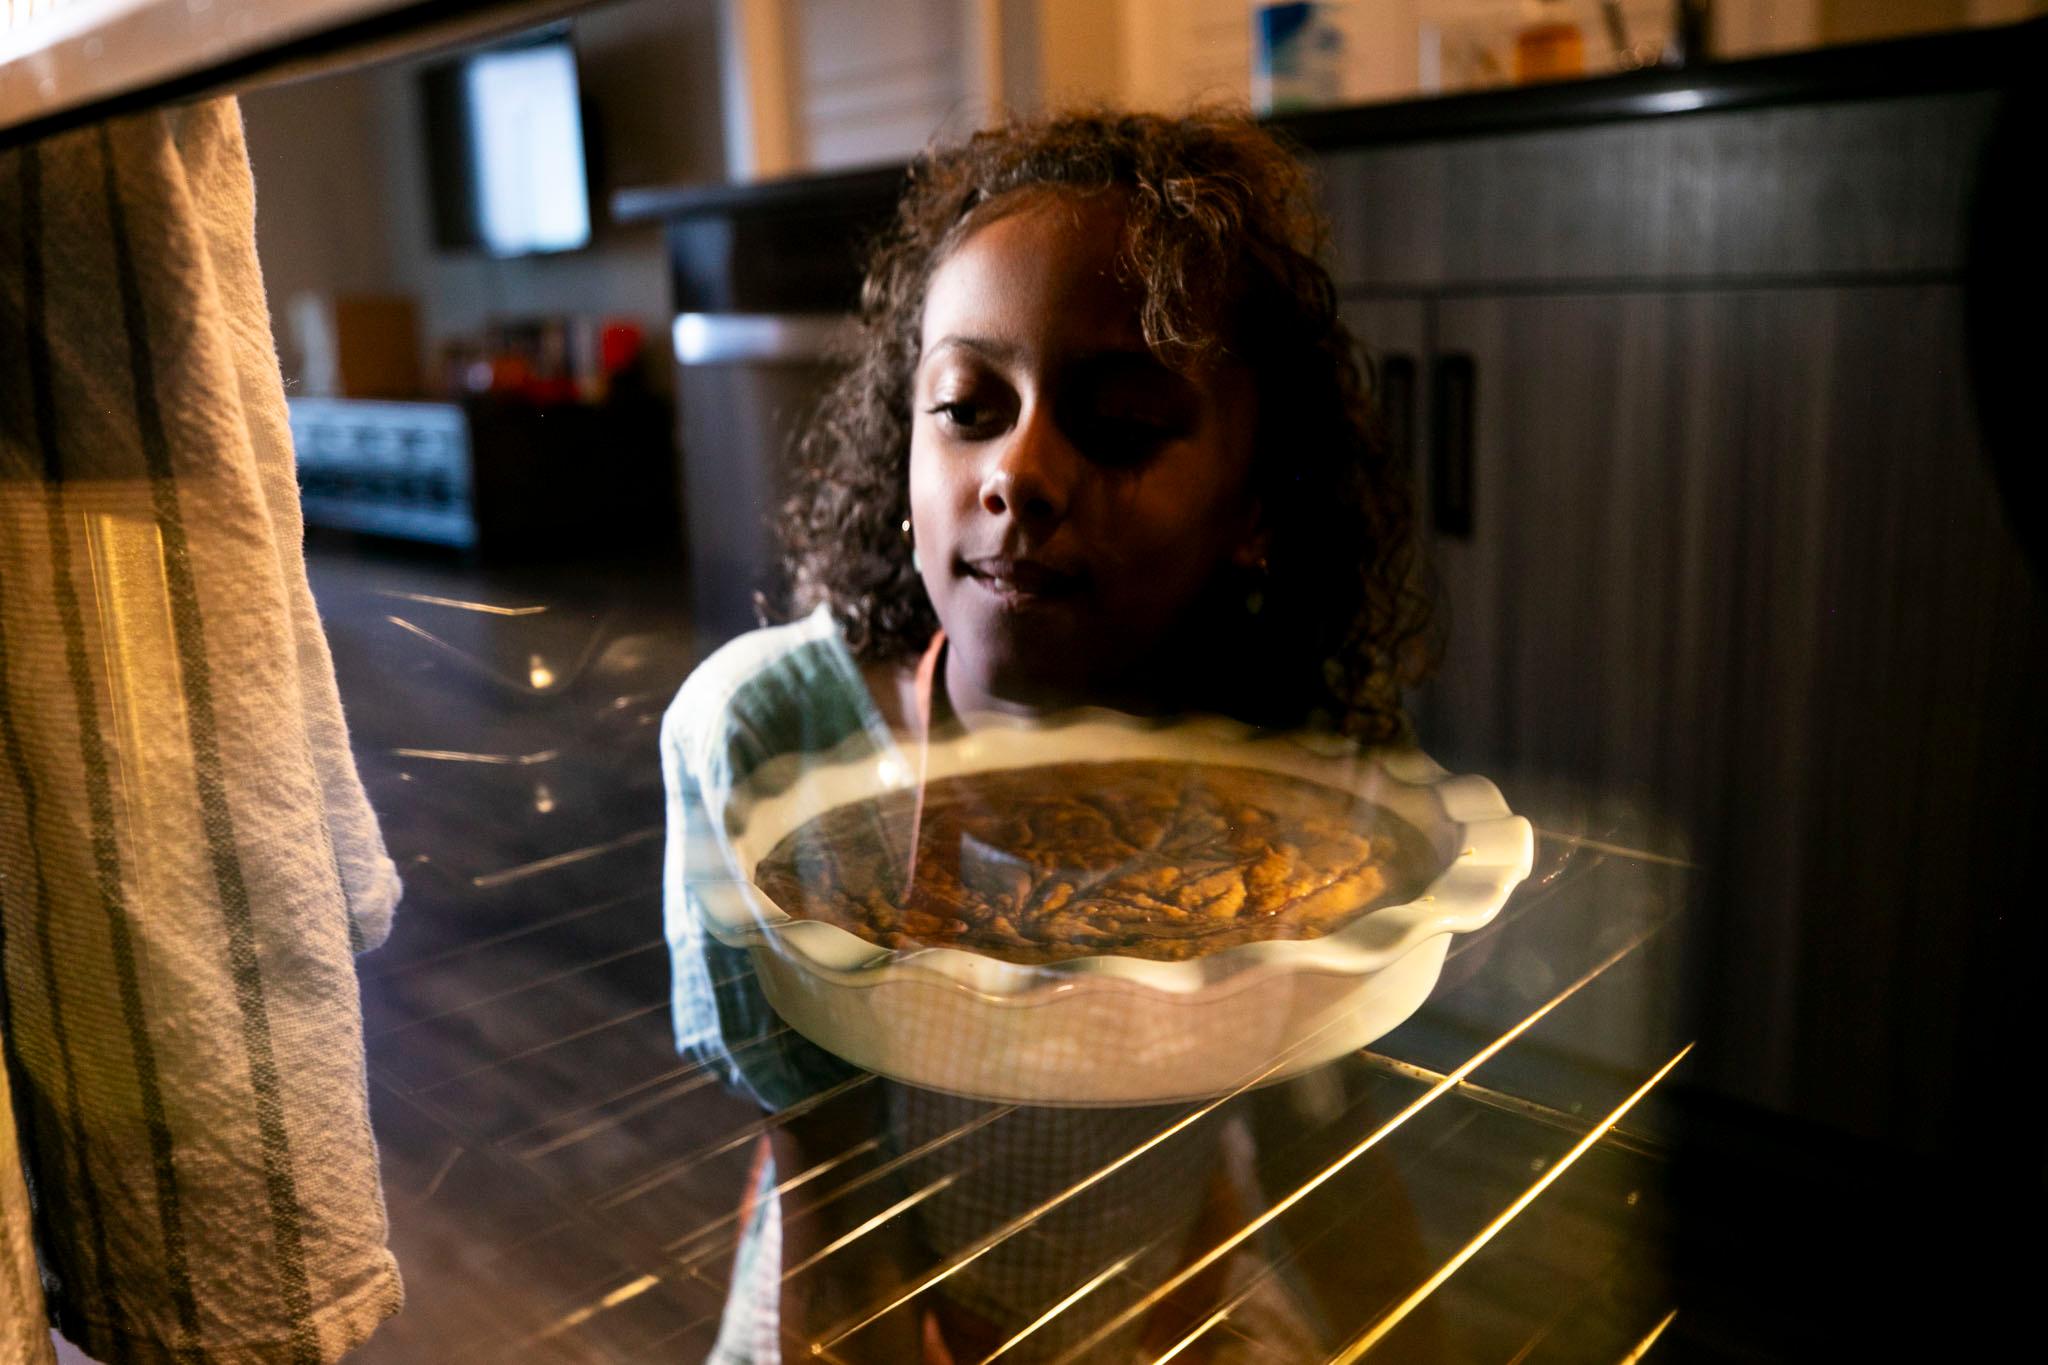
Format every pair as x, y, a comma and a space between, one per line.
1070, 495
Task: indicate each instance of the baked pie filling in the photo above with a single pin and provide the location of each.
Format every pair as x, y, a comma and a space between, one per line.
1144, 858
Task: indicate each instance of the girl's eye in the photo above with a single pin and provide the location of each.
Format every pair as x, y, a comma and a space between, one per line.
966, 416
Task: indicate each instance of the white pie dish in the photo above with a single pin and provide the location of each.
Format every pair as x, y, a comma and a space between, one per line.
1113, 1030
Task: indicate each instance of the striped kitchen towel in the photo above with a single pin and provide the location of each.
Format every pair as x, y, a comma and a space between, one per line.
187, 858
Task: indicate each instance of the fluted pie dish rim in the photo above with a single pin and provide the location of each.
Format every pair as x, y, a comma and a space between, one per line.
1481, 852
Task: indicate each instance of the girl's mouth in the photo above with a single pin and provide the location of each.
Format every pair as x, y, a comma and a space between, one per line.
1023, 581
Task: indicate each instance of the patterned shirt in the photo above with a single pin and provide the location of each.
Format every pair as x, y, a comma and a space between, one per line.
782, 690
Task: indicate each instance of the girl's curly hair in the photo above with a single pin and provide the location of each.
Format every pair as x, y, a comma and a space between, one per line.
1220, 239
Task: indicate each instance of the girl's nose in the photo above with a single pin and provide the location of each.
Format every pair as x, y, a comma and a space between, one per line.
1031, 476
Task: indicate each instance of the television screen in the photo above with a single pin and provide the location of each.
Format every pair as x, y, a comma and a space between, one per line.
506, 150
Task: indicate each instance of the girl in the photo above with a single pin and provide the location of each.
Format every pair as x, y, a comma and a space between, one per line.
1104, 441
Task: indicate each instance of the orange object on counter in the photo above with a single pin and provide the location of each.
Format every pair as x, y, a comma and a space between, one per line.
1551, 48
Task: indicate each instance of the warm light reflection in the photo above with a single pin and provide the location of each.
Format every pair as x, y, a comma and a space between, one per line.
1619, 850
1643, 1347
1274, 1266
903, 1205
707, 1234
539, 676
1107, 1274
484, 881
459, 756
891, 1166
740, 1137
1512, 1104
458, 603
1421, 1102
144, 683
1569, 1309
1202, 1329
953, 1264
632, 1290
1394, 1316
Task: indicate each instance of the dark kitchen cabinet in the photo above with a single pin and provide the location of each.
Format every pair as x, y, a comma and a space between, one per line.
1692, 419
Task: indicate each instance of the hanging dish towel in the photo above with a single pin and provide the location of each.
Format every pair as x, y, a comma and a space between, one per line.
187, 859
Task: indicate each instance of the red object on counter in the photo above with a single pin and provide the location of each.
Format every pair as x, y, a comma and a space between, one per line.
618, 347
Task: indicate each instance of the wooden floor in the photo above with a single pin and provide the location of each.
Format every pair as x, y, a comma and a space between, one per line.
517, 1027
560, 1182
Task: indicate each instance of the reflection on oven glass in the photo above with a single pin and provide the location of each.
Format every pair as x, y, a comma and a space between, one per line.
1027, 718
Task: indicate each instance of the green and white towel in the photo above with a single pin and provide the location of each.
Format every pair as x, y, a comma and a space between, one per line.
187, 859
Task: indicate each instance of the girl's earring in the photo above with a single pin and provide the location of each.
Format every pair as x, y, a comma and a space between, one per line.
910, 539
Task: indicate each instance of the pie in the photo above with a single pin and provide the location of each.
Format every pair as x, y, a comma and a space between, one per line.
1143, 858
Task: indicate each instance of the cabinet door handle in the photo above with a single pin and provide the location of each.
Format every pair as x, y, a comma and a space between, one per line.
1451, 445
1396, 399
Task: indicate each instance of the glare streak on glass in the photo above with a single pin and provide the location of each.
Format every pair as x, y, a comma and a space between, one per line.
1393, 1318
1570, 1307
631, 1290
982, 1246
455, 756
903, 1205
1443, 1087
632, 699
535, 1049
694, 1075
1642, 1348
1530, 896
861, 1181
458, 603
488, 880
534, 983
693, 1078
1101, 1278
440, 1176
1274, 1266
707, 1231
1201, 1329
430, 961
661, 1175
687, 1261
539, 679
1602, 846
672, 1084
1514, 1104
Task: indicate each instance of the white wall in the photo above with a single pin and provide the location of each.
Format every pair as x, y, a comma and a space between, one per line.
341, 182
876, 79
321, 190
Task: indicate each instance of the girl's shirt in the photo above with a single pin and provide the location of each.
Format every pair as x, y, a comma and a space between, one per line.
782, 690
796, 688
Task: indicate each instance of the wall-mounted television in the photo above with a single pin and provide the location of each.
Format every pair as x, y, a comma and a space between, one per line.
506, 149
